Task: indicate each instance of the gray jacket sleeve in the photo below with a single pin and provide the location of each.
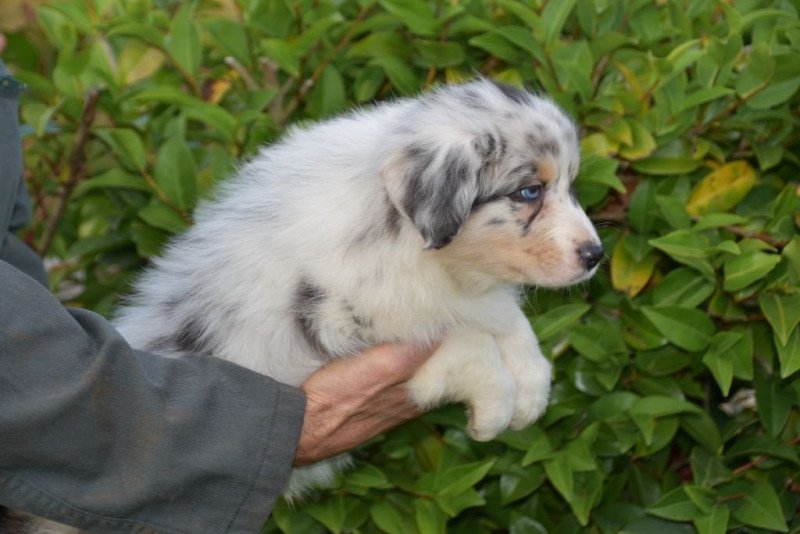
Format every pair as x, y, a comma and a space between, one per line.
103, 437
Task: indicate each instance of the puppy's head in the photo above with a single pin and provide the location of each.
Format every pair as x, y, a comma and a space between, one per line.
484, 171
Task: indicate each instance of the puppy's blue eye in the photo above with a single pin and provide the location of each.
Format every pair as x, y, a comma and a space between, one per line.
528, 194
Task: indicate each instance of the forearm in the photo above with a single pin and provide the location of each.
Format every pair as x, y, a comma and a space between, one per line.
91, 430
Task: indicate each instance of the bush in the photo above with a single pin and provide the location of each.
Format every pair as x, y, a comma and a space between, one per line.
676, 397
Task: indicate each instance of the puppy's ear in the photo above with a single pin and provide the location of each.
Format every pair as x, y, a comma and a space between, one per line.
435, 187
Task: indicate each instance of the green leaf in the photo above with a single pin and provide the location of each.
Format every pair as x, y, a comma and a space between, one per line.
774, 404
762, 445
519, 485
368, 476
789, 354
558, 319
702, 428
553, 17
175, 172
126, 144
782, 313
231, 37
497, 45
675, 506
689, 329
454, 480
682, 287
183, 42
429, 517
331, 513
399, 73
599, 170
192, 107
719, 358
390, 519
588, 488
559, 473
115, 178
97, 244
687, 247
701, 96
460, 478
284, 54
662, 166
761, 508
707, 469
540, 448
660, 406
642, 207
715, 522
415, 14
597, 341
438, 54
158, 214
328, 95
741, 271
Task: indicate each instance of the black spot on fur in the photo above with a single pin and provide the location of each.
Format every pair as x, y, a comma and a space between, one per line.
393, 220
419, 160
190, 337
537, 206
307, 299
573, 195
363, 323
431, 196
474, 100
496, 221
542, 145
390, 227
514, 94
486, 146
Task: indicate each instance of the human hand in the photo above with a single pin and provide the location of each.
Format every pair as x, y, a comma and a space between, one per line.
354, 399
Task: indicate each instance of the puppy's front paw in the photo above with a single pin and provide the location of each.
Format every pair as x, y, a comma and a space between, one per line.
468, 368
533, 390
491, 408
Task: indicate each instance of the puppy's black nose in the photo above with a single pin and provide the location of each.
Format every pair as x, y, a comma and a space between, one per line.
591, 254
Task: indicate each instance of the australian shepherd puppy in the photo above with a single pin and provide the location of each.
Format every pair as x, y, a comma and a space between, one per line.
408, 222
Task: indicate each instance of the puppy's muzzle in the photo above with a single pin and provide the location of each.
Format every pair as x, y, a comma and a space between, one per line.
591, 254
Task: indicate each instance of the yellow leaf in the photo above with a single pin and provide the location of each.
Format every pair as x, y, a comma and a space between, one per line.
215, 90
721, 189
598, 144
643, 142
627, 274
138, 62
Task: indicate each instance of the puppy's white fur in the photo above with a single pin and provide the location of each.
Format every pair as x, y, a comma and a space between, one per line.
398, 223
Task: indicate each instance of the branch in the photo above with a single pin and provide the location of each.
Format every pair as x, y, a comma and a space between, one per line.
77, 169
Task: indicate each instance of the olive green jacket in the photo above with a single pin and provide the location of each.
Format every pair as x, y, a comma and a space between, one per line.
110, 439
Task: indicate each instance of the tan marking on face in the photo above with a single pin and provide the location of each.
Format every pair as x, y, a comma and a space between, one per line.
547, 170
545, 256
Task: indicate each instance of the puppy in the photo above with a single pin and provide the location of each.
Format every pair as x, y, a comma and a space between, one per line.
404, 222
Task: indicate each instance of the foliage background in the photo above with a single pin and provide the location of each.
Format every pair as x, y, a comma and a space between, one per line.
676, 399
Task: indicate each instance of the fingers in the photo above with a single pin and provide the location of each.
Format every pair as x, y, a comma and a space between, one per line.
351, 400
396, 364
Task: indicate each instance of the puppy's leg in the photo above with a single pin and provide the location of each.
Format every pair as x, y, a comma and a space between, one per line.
468, 368
519, 349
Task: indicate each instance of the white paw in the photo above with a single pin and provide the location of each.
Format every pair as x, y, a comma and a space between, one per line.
492, 408
533, 376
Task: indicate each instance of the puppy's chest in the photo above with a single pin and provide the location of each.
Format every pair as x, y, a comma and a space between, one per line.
338, 325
